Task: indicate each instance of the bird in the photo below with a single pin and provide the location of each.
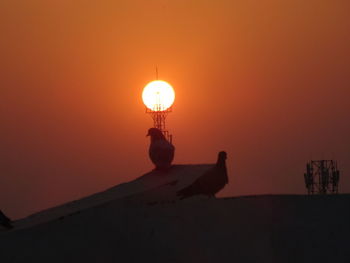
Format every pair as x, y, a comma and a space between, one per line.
161, 151
5, 221
211, 182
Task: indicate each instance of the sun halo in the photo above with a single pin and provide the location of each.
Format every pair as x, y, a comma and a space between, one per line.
158, 95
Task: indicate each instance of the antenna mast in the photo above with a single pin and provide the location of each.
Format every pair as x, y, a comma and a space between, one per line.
322, 177
159, 115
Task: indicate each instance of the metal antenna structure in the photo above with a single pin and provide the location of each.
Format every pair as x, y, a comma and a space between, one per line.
322, 177
159, 114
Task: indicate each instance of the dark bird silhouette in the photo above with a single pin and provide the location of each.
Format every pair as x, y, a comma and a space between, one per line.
161, 151
210, 182
5, 221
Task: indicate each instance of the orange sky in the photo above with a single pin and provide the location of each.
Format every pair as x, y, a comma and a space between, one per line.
267, 81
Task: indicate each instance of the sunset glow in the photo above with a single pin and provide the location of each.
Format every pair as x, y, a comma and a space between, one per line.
158, 95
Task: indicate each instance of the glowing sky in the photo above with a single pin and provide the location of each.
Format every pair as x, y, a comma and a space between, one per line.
267, 81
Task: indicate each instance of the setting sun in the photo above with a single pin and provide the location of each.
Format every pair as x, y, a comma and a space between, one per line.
158, 95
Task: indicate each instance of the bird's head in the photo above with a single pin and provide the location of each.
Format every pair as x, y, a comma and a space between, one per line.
222, 156
155, 134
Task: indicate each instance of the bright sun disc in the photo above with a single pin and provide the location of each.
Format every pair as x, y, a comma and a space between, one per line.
158, 95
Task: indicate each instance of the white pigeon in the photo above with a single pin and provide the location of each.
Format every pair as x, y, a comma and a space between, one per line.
161, 151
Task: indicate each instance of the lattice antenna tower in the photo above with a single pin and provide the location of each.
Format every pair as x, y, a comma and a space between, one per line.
322, 177
159, 114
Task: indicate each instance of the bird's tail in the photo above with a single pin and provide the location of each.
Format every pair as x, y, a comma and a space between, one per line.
5, 221
7, 225
185, 193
